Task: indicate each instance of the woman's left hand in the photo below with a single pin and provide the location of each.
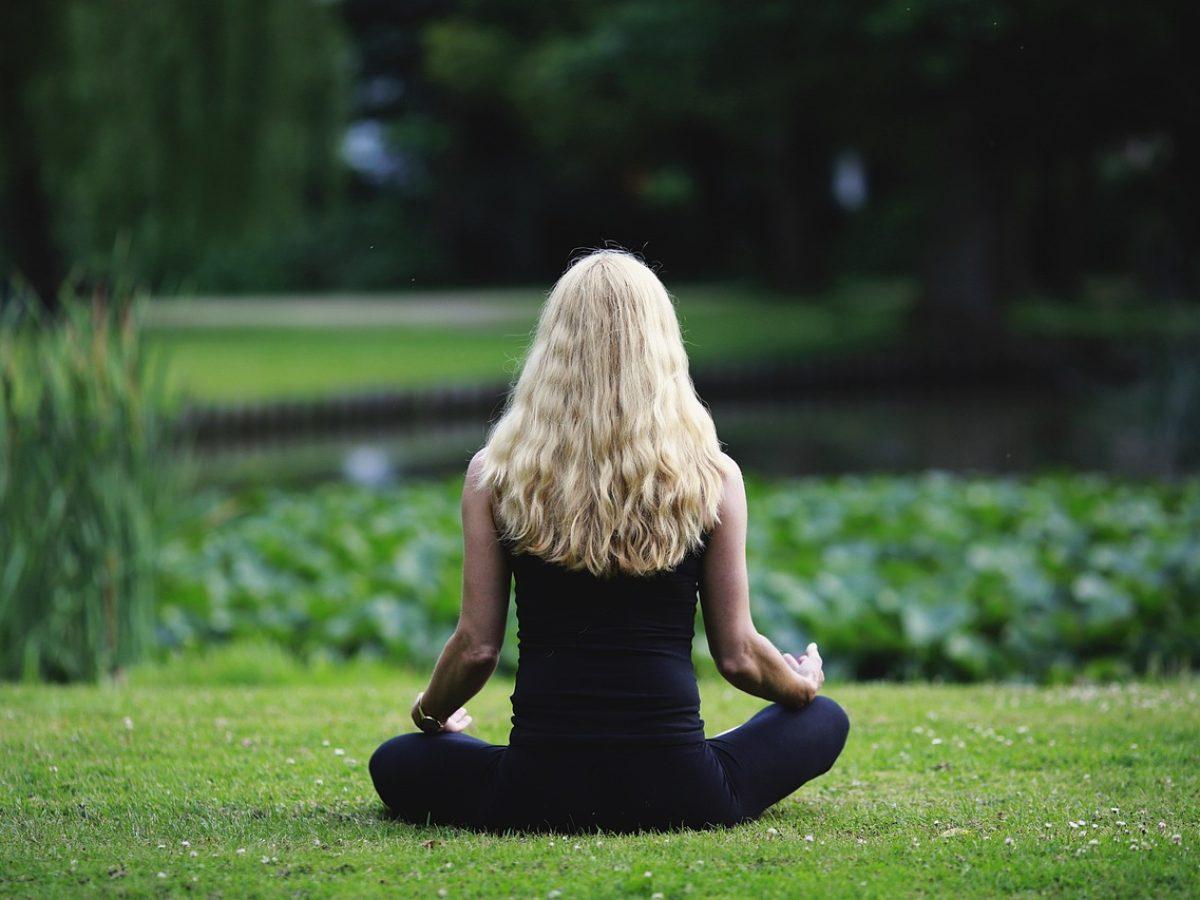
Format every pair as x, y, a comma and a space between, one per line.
809, 665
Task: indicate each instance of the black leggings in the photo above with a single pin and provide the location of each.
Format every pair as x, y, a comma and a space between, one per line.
456, 779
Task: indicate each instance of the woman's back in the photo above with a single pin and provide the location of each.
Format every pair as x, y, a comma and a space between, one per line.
605, 659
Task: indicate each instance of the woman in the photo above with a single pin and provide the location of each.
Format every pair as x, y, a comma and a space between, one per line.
603, 491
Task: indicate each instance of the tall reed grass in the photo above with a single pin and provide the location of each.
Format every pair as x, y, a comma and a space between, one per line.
83, 485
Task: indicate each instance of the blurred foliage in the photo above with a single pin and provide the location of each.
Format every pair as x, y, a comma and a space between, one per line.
1007, 147
932, 576
181, 129
82, 487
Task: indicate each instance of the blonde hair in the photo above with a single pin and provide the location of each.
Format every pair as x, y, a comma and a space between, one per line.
605, 459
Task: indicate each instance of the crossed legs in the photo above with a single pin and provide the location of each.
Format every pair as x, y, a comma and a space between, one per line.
778, 750
450, 779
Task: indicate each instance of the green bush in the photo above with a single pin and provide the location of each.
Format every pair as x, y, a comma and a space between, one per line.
928, 576
81, 465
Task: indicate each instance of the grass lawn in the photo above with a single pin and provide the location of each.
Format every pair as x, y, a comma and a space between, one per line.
248, 791
287, 355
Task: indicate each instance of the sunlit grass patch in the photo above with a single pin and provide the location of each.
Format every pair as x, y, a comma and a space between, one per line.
262, 790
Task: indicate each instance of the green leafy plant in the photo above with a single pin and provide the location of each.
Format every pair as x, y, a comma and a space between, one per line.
897, 577
82, 484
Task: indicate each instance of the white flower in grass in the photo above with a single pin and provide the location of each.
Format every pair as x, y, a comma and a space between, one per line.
1008, 840
1177, 839
554, 893
162, 874
185, 843
338, 751
129, 727
809, 838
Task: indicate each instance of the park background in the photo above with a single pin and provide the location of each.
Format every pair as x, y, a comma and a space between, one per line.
269, 267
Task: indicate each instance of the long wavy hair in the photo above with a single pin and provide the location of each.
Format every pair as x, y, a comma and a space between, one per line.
604, 458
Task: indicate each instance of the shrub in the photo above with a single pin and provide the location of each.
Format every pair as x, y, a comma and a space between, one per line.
81, 481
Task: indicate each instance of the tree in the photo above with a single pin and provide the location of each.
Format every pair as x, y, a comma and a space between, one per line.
181, 129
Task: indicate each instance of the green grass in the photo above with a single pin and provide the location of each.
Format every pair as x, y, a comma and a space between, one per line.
252, 791
721, 323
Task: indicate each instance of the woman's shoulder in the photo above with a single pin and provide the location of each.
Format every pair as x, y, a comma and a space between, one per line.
730, 469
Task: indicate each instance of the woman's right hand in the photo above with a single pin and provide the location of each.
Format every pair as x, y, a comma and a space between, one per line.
456, 722
809, 666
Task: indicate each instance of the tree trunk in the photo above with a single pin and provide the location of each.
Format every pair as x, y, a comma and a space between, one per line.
799, 220
1061, 243
959, 300
25, 221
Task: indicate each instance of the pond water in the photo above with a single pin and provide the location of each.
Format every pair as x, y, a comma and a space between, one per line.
1144, 430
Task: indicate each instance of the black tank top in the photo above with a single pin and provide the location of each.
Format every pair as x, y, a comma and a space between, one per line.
605, 659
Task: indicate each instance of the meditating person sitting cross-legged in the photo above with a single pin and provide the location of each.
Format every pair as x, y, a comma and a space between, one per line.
602, 490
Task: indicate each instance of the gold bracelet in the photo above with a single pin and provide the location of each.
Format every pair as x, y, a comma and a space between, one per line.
424, 717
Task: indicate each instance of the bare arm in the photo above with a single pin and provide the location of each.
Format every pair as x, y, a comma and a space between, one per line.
470, 655
746, 659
